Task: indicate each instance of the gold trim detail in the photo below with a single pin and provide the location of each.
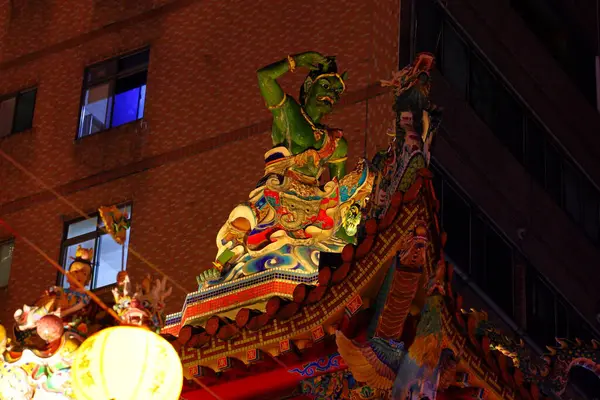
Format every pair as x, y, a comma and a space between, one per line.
292, 63
280, 104
317, 132
332, 74
337, 160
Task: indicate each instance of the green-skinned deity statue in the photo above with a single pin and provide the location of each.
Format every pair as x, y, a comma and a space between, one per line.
296, 212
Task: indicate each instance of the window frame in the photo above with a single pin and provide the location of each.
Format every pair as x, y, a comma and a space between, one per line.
16, 95
94, 235
111, 79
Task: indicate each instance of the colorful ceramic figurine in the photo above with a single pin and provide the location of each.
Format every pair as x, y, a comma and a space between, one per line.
416, 125
290, 217
145, 306
42, 372
115, 222
69, 304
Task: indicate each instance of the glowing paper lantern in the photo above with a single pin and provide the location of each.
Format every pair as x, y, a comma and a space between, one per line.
126, 363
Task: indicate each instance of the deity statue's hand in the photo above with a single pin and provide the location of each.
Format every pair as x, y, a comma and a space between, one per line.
310, 60
208, 275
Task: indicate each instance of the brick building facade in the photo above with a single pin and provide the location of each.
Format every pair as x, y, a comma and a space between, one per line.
198, 149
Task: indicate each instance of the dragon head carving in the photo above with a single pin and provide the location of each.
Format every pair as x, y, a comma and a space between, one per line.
143, 307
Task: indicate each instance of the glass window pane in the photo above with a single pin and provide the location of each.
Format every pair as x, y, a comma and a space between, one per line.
554, 179
534, 151
127, 98
455, 60
6, 251
591, 220
82, 227
456, 224
508, 122
142, 102
95, 113
572, 179
111, 259
541, 312
24, 113
428, 26
482, 90
562, 321
7, 113
499, 271
133, 61
69, 256
478, 229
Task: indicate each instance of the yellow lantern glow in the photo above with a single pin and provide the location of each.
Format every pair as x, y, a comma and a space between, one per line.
126, 363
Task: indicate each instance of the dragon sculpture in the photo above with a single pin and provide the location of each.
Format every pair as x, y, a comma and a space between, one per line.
143, 307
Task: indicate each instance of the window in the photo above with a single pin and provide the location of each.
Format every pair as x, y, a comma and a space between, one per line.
562, 320
498, 271
541, 311
455, 60
482, 90
508, 122
554, 177
114, 93
572, 195
6, 251
455, 220
491, 267
591, 210
109, 256
16, 112
428, 25
534, 150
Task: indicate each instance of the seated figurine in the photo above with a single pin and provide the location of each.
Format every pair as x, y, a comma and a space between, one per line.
70, 304
291, 216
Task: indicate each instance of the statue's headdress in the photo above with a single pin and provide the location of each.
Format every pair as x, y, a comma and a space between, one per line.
323, 71
411, 86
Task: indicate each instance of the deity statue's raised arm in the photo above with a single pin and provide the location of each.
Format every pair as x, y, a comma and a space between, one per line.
297, 126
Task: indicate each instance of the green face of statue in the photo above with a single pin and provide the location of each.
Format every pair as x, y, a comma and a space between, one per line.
323, 95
